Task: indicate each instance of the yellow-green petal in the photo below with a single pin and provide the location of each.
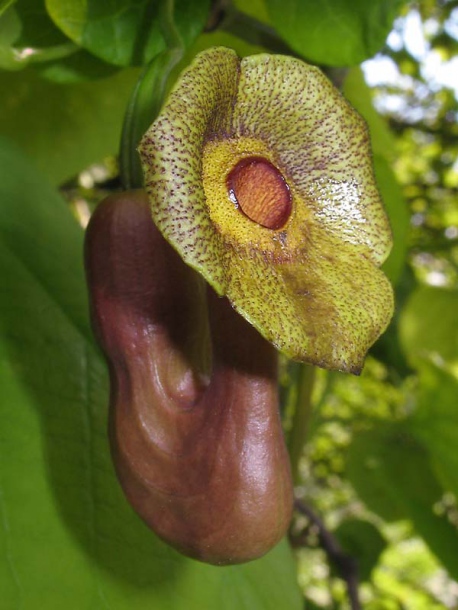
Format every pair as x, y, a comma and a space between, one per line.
312, 287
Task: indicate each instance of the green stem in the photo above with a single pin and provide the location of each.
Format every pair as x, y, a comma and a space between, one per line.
147, 99
168, 28
301, 419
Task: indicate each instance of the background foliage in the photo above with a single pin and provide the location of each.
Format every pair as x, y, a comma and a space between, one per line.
377, 455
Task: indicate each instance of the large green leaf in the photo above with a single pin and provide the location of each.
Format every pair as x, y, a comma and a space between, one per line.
334, 32
75, 68
435, 422
64, 127
68, 538
428, 324
125, 32
392, 472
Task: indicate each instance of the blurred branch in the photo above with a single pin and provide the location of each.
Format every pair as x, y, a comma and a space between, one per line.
345, 564
217, 14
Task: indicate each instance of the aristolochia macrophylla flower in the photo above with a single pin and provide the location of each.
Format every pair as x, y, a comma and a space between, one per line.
259, 173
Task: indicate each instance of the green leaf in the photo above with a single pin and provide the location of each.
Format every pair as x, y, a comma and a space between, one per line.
10, 30
219, 38
369, 476
10, 27
398, 214
428, 324
359, 94
65, 128
394, 475
363, 541
69, 539
254, 8
5, 4
334, 32
125, 32
38, 30
383, 146
435, 422
79, 67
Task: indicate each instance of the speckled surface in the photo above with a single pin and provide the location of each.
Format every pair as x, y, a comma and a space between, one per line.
313, 287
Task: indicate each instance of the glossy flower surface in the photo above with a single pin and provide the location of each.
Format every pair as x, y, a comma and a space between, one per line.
259, 173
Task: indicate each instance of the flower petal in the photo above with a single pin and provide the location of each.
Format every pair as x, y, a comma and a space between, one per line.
320, 142
312, 286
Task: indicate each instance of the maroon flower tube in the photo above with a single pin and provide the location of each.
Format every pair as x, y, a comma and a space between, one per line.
194, 425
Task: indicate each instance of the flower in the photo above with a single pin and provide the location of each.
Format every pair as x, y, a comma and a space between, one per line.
259, 173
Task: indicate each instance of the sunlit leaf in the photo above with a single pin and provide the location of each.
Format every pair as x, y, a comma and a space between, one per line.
393, 473
335, 32
428, 324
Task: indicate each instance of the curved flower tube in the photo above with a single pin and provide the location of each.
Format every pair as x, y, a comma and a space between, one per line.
259, 174
194, 425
